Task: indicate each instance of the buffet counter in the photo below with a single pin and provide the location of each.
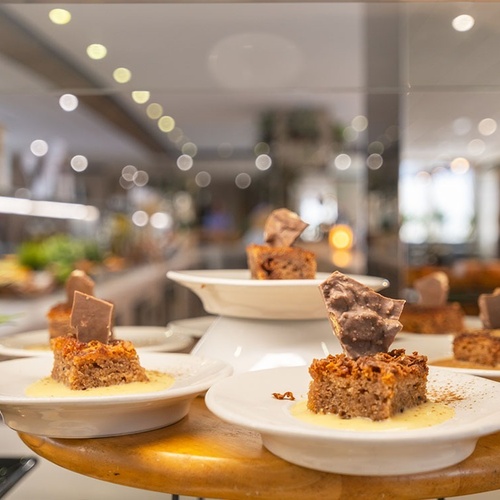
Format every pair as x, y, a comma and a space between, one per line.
142, 295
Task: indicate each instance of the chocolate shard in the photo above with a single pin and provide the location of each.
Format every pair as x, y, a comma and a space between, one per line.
91, 318
283, 227
433, 289
489, 309
364, 321
78, 281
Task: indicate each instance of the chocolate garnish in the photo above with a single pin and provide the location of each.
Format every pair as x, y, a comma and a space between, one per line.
364, 321
91, 318
489, 309
78, 281
433, 289
283, 227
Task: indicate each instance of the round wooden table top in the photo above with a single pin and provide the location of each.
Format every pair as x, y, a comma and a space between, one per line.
205, 457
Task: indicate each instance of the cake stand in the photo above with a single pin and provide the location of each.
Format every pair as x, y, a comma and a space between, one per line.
263, 324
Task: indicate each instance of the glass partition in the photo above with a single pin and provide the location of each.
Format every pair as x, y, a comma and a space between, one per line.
383, 116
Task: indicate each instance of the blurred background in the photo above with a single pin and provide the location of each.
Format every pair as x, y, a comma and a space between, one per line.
142, 135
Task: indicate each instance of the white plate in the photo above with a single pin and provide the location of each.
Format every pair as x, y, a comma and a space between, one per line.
246, 400
144, 338
97, 416
193, 327
438, 347
232, 292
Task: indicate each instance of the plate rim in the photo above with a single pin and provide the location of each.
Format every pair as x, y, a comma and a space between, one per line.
32, 353
173, 393
203, 276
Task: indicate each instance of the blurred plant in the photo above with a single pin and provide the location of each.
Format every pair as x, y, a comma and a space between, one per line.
58, 254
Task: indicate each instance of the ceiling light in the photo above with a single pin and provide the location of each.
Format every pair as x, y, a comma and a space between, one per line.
459, 165
190, 149
60, 16
262, 148
359, 123
128, 172
487, 126
140, 218
243, 180
140, 178
203, 179
122, 75
79, 163
154, 110
464, 22
342, 161
166, 124
476, 147
140, 96
125, 184
374, 161
376, 147
39, 147
263, 162
97, 51
68, 102
184, 162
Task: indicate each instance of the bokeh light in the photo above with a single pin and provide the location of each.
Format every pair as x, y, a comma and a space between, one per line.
122, 75
141, 96
79, 163
60, 16
96, 51
243, 180
68, 102
39, 147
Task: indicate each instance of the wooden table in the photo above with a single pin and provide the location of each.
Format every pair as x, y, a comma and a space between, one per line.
205, 457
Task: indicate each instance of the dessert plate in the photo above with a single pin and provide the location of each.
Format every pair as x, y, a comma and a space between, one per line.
246, 400
232, 292
97, 416
144, 338
439, 350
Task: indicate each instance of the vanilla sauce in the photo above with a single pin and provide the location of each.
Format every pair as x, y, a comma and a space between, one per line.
424, 415
48, 387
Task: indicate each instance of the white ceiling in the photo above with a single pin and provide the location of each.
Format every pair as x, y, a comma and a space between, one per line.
216, 67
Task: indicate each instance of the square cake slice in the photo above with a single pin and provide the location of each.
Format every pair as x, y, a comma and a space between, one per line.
83, 365
481, 347
376, 386
280, 263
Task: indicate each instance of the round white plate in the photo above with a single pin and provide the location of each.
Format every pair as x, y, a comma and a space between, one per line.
246, 399
97, 416
232, 292
144, 338
193, 327
438, 347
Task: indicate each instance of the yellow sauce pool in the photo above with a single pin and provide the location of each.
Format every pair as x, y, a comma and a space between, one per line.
424, 415
47, 387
